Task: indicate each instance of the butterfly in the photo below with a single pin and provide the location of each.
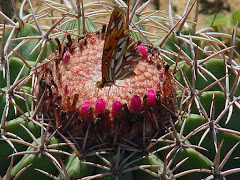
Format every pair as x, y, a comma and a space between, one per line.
120, 52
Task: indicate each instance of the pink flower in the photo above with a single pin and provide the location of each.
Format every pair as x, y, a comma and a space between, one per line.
151, 97
143, 50
100, 106
85, 111
116, 108
136, 104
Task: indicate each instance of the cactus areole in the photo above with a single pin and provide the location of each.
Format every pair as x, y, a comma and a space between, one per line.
132, 108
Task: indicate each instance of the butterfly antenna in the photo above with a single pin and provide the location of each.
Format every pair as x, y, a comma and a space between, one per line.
123, 87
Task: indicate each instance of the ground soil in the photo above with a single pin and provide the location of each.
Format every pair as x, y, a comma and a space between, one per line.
206, 8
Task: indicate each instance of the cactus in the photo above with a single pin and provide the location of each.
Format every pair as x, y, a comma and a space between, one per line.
175, 118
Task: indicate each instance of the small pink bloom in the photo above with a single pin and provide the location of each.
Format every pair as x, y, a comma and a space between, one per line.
85, 111
151, 97
116, 107
66, 57
100, 107
143, 50
136, 104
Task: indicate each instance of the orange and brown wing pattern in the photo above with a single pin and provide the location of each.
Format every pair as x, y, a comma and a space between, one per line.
128, 60
120, 53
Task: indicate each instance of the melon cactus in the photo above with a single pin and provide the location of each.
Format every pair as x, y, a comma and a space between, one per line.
175, 117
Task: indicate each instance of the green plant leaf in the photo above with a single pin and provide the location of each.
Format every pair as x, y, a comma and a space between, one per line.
220, 19
236, 18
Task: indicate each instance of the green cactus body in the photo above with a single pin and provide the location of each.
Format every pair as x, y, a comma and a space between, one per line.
78, 168
174, 44
19, 101
155, 165
27, 49
37, 160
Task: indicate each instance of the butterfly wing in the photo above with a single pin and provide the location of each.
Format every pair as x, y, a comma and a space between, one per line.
128, 59
120, 54
115, 31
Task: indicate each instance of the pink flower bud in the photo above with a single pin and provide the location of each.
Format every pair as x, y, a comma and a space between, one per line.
66, 57
136, 104
116, 107
85, 112
100, 107
151, 97
143, 50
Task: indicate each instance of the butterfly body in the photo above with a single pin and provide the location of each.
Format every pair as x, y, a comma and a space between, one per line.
120, 52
